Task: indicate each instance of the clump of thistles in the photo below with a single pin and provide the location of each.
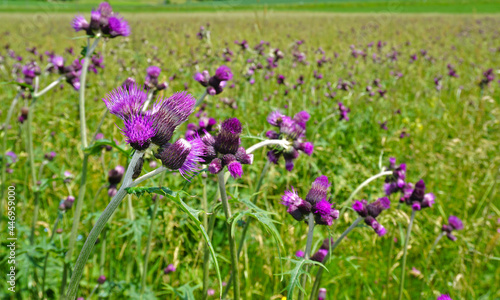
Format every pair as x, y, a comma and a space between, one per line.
454, 223
151, 82
224, 149
316, 203
215, 84
156, 126
370, 211
103, 21
416, 197
294, 131
395, 182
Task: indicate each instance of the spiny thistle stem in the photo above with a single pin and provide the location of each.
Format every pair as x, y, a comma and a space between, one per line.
232, 245
317, 281
49, 87
405, 250
148, 245
307, 254
99, 226
249, 220
83, 179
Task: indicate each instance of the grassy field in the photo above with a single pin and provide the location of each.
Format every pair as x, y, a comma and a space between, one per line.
340, 6
453, 144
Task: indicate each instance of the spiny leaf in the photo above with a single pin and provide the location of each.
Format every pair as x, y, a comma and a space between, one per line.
296, 273
139, 191
185, 292
24, 85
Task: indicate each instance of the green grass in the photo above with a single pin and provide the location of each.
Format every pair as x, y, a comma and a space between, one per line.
453, 145
339, 6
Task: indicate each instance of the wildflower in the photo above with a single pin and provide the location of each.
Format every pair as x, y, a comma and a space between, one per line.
300, 253
139, 130
322, 294
454, 223
344, 110
169, 269
371, 211
50, 156
67, 204
183, 155
210, 292
489, 76
417, 197
444, 297
293, 130
324, 212
151, 82
451, 71
126, 101
224, 149
103, 21
114, 177
396, 181
205, 124
215, 84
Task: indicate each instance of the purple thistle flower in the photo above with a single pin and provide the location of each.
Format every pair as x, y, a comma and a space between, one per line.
139, 129
319, 190
169, 113
454, 223
11, 158
223, 73
210, 292
101, 279
79, 23
370, 211
322, 294
444, 297
183, 155
126, 101
344, 110
297, 207
320, 255
153, 71
118, 27
169, 269
300, 253
325, 213
228, 139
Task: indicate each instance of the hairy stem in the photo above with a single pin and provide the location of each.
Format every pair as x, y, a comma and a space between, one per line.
232, 245
282, 143
49, 87
99, 226
200, 100
307, 255
405, 250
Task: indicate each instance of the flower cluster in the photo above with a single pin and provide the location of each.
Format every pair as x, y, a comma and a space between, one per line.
30, 71
224, 149
10, 158
454, 223
293, 130
215, 84
156, 126
316, 203
73, 71
67, 203
369, 212
344, 110
103, 21
151, 81
411, 195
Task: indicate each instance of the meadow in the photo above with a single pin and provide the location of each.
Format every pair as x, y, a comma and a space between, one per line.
413, 88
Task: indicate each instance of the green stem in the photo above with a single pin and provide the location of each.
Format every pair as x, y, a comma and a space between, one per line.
317, 281
232, 245
200, 100
405, 250
436, 241
148, 246
206, 253
83, 179
31, 158
59, 217
307, 255
99, 226
249, 220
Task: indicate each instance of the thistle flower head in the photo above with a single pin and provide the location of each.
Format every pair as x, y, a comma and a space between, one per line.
444, 297
322, 294
318, 190
115, 175
79, 23
126, 101
320, 255
169, 113
223, 73
139, 129
153, 71
228, 139
118, 27
183, 155
456, 223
